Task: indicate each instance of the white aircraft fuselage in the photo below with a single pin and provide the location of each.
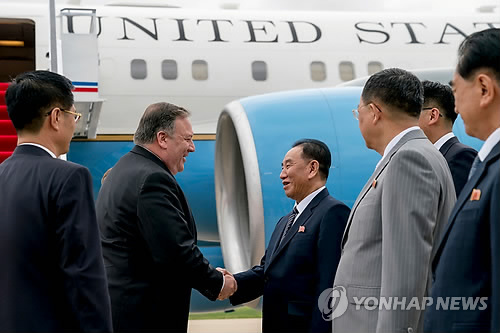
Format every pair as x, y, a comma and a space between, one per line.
202, 60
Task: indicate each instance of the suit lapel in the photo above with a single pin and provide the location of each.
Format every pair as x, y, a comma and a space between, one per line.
363, 193
415, 134
465, 194
275, 238
301, 221
188, 213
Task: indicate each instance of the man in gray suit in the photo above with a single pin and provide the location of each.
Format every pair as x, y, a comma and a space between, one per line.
388, 243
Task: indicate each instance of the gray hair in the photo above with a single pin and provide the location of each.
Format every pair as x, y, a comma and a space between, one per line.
158, 117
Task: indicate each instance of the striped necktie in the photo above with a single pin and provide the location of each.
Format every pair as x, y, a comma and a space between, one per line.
474, 166
289, 224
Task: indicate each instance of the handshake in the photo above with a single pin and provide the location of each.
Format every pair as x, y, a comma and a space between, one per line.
230, 285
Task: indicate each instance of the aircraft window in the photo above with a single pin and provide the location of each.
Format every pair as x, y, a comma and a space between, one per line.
259, 71
374, 67
346, 70
169, 69
200, 70
138, 69
318, 71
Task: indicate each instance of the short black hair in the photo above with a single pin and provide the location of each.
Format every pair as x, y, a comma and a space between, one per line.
31, 94
316, 150
158, 117
395, 87
441, 96
480, 50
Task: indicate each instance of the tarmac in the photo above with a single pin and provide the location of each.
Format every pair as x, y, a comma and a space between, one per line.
253, 325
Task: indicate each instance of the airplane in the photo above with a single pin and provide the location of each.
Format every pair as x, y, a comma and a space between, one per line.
202, 60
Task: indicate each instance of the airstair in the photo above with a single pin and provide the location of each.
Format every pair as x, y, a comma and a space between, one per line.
77, 59
80, 63
8, 137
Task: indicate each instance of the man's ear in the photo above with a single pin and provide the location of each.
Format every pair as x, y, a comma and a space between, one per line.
434, 116
313, 169
162, 138
377, 115
55, 119
487, 85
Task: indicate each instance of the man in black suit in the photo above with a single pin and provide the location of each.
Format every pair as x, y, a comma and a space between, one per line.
436, 120
467, 263
52, 275
304, 249
148, 232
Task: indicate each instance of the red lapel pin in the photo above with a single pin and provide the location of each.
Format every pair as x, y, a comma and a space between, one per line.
475, 195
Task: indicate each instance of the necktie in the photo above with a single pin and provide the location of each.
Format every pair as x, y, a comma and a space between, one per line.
474, 166
289, 224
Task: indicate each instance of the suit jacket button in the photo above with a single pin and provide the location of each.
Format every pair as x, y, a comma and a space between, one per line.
266, 279
410, 330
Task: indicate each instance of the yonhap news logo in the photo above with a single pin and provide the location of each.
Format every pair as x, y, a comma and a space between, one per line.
421, 303
332, 302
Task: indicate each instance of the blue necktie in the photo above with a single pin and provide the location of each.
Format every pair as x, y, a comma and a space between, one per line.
474, 166
289, 224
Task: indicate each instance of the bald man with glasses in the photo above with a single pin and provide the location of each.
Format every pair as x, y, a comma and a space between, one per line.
52, 275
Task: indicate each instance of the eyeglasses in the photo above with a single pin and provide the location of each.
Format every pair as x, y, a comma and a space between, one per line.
355, 112
430, 108
76, 115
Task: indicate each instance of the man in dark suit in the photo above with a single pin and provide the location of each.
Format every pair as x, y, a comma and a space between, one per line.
304, 249
467, 264
52, 275
148, 232
436, 120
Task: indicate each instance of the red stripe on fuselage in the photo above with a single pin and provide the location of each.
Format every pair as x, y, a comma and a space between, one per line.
85, 90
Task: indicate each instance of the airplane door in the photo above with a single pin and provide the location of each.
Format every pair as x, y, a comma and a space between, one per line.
17, 47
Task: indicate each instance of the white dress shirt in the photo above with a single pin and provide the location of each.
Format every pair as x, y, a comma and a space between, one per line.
488, 145
442, 140
305, 202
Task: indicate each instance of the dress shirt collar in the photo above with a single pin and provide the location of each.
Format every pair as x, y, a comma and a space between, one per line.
442, 140
158, 157
39, 146
395, 141
488, 145
306, 201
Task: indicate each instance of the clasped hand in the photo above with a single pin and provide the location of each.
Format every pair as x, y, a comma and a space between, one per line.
230, 285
